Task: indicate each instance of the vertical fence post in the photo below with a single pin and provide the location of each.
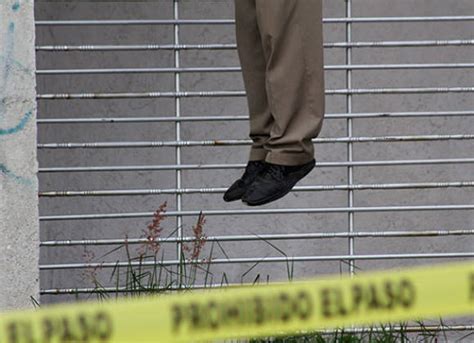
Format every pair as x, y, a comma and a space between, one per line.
179, 219
19, 225
350, 200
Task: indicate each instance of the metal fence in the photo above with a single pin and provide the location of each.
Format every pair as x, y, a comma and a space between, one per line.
346, 161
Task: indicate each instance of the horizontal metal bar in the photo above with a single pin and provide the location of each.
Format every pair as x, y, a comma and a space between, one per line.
238, 69
275, 259
193, 94
413, 90
232, 21
401, 44
265, 237
137, 47
345, 187
408, 66
139, 70
131, 119
240, 142
341, 164
392, 328
139, 95
122, 289
136, 22
233, 46
260, 212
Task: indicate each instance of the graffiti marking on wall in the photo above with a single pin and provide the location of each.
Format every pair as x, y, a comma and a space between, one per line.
8, 63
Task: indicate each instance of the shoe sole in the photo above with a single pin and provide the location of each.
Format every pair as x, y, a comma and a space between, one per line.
278, 195
232, 200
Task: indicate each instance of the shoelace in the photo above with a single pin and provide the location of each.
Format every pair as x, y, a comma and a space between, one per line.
252, 169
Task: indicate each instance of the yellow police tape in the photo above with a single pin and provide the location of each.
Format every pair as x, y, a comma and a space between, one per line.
252, 311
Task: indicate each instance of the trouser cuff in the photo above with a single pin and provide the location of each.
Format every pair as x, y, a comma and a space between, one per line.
288, 159
257, 154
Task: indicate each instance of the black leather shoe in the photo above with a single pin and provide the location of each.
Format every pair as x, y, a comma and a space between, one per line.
238, 188
275, 183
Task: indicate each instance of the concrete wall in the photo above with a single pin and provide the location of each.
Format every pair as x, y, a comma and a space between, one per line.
248, 224
19, 227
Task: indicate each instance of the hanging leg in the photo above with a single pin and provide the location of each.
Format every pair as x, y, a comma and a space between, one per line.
292, 36
252, 60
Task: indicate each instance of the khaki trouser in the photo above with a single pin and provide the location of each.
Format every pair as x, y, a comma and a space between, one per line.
280, 46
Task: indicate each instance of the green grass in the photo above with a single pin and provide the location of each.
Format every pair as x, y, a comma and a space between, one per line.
136, 280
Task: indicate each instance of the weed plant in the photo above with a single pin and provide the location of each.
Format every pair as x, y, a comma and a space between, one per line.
146, 274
